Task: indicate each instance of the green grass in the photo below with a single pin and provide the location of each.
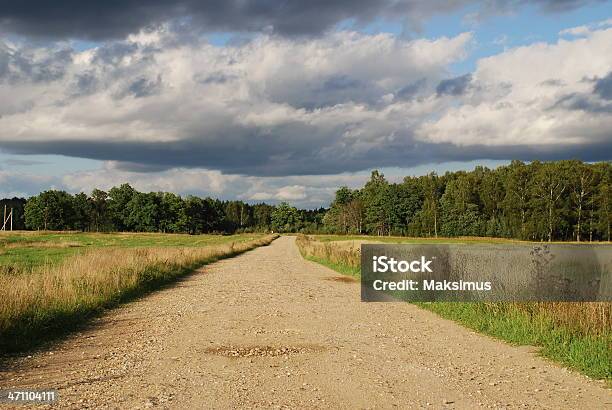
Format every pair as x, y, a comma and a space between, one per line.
21, 251
403, 239
343, 269
441, 240
590, 354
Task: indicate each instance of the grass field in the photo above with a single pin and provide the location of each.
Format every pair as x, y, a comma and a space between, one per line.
404, 239
578, 335
51, 283
25, 250
357, 239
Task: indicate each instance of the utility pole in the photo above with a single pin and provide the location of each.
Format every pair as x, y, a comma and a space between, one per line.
6, 218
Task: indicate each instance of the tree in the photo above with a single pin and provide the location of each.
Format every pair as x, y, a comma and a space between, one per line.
142, 212
172, 216
518, 196
581, 183
375, 203
213, 216
285, 218
237, 215
550, 184
82, 211
35, 214
491, 192
99, 213
460, 216
193, 210
431, 188
118, 198
346, 211
354, 212
262, 216
603, 201
50, 210
408, 200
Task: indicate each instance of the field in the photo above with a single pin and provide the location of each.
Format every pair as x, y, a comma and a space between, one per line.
403, 239
52, 282
25, 250
576, 334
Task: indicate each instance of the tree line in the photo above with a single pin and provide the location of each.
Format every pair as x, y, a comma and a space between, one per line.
542, 201
562, 200
125, 209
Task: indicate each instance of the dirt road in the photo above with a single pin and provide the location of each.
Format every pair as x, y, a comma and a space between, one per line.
268, 329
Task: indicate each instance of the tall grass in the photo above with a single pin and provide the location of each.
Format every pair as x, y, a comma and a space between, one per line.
346, 254
30, 249
52, 298
578, 334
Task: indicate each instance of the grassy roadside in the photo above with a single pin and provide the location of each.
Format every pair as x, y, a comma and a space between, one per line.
338, 267
55, 298
577, 335
588, 353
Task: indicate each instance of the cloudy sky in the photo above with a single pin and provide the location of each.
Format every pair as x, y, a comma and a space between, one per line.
287, 100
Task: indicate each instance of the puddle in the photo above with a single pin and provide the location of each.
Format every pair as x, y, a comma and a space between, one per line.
261, 351
343, 279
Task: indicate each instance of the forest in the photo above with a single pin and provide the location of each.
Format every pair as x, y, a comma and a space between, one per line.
544, 201
124, 209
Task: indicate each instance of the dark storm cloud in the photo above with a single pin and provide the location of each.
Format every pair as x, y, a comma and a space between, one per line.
585, 103
111, 19
411, 90
84, 84
22, 162
143, 87
258, 159
603, 87
335, 89
553, 82
562, 5
215, 78
341, 82
326, 92
599, 102
454, 86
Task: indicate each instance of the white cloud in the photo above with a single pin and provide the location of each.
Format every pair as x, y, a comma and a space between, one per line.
585, 30
286, 193
576, 31
514, 95
305, 191
269, 106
